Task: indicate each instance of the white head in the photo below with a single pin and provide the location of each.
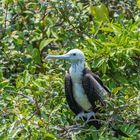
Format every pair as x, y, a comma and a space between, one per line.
77, 59
74, 56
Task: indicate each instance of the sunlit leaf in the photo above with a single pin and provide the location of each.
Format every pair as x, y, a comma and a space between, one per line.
100, 12
116, 90
45, 42
138, 3
4, 83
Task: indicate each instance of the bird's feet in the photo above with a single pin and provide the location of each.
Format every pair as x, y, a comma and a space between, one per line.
89, 115
81, 115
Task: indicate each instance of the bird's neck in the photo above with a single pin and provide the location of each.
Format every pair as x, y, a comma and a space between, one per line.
76, 71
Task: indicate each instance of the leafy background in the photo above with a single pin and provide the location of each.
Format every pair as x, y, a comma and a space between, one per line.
33, 104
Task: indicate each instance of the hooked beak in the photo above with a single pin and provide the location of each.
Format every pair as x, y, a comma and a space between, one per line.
64, 56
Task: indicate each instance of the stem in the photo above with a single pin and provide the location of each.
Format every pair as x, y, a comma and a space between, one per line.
5, 26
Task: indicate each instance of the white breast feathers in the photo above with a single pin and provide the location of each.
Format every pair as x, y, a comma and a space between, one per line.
78, 91
81, 97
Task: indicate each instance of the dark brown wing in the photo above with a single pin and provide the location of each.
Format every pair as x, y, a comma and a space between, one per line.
101, 83
94, 89
94, 95
97, 78
69, 95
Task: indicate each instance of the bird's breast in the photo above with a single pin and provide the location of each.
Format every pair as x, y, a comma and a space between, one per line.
80, 96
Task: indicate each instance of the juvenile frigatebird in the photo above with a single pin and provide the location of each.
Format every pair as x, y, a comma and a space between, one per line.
83, 89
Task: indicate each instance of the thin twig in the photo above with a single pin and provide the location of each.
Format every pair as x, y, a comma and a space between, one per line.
6, 12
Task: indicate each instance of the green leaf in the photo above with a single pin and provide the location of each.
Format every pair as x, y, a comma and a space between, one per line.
100, 12
36, 55
116, 90
138, 3
50, 136
36, 84
100, 62
45, 42
106, 29
117, 29
4, 83
26, 77
104, 67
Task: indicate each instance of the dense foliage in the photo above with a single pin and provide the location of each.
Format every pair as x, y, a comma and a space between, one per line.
33, 104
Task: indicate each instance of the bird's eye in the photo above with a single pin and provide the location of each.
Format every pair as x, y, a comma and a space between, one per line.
74, 54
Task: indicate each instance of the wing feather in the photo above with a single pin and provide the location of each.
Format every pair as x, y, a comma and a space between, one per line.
94, 89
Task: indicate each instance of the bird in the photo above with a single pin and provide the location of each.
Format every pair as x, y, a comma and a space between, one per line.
85, 92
